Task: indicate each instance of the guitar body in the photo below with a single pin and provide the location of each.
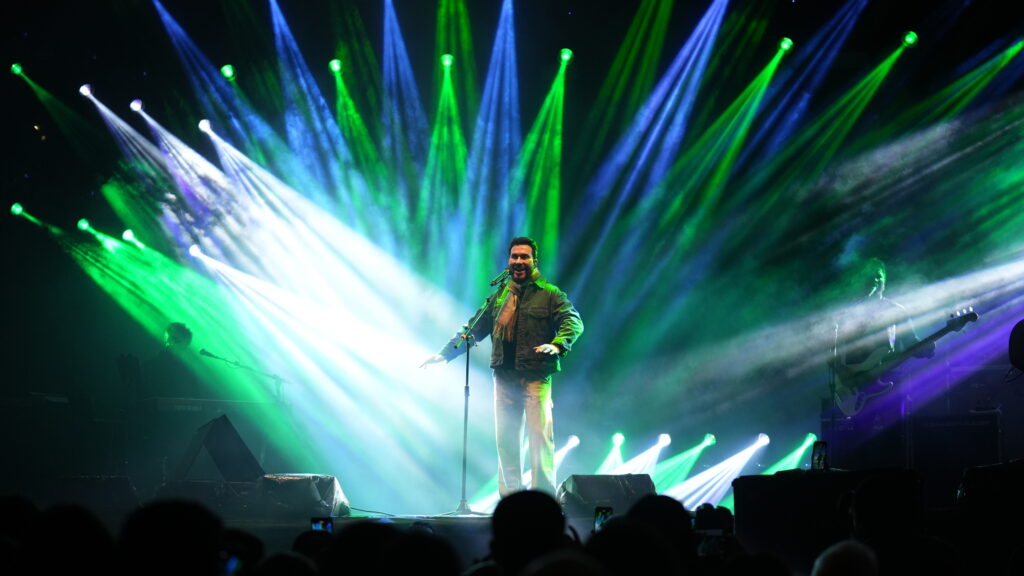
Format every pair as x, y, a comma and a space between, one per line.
856, 384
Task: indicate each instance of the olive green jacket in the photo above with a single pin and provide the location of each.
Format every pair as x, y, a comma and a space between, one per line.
544, 316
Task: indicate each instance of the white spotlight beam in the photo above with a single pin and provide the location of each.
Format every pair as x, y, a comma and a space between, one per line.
714, 483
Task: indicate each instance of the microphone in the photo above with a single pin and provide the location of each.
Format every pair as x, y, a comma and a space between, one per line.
504, 274
208, 354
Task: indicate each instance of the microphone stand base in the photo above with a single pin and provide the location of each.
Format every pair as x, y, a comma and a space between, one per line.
464, 510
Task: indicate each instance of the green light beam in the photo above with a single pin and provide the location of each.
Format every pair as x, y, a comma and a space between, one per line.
628, 82
454, 36
538, 171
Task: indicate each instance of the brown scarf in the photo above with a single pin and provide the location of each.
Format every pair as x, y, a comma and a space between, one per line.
505, 324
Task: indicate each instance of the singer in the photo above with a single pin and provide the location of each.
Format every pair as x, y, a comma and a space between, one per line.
532, 325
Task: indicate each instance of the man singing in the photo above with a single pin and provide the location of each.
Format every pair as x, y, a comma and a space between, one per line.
532, 325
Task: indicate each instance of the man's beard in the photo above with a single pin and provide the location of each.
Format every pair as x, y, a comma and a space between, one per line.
527, 272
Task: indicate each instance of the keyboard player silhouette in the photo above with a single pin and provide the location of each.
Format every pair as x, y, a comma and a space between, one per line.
168, 374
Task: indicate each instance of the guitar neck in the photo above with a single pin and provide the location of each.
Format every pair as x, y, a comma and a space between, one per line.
849, 394
926, 341
953, 325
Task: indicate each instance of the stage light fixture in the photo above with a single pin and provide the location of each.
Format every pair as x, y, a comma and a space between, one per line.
664, 440
574, 441
129, 236
446, 60
334, 65
83, 224
763, 439
785, 44
909, 39
16, 69
17, 209
566, 55
617, 439
204, 126
227, 71
710, 440
136, 105
194, 250
85, 90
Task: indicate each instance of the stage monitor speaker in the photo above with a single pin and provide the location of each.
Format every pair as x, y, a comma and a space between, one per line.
227, 450
994, 488
301, 496
579, 494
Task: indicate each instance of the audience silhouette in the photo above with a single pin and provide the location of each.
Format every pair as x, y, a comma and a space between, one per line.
526, 525
285, 564
886, 514
529, 537
846, 558
172, 537
67, 539
627, 546
311, 543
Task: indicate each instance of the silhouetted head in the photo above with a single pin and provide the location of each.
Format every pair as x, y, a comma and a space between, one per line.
284, 564
627, 546
526, 525
885, 506
359, 547
846, 558
171, 537
311, 543
177, 335
669, 518
69, 538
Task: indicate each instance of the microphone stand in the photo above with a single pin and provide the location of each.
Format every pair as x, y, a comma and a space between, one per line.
277, 390
467, 336
277, 379
832, 367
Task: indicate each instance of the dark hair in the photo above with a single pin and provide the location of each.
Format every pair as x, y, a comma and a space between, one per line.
874, 264
524, 241
179, 332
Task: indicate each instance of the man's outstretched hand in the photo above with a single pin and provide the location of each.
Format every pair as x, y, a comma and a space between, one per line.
432, 360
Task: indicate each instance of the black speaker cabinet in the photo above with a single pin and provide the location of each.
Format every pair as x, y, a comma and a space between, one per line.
875, 438
579, 494
980, 486
943, 447
798, 513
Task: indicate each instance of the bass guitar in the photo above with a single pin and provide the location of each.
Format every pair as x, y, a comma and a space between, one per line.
856, 384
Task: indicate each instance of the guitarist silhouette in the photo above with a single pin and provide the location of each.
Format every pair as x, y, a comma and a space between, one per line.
870, 336
874, 337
